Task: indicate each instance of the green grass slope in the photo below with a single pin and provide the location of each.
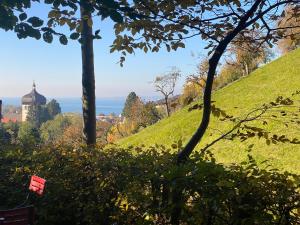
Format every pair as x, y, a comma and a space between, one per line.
280, 77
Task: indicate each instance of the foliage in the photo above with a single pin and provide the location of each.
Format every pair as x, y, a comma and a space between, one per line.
199, 78
131, 99
4, 136
195, 83
53, 108
244, 58
8, 19
93, 186
137, 115
52, 130
36, 115
39, 114
28, 134
189, 93
280, 77
103, 129
150, 114
168, 24
290, 38
14, 17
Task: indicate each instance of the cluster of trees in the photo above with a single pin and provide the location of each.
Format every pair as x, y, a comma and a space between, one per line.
242, 59
29, 132
63, 129
136, 115
39, 114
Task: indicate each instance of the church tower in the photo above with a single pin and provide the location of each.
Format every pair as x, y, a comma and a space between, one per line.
31, 99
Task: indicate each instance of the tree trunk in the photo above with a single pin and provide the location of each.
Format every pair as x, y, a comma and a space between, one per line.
167, 105
213, 63
0, 111
88, 77
245, 69
177, 195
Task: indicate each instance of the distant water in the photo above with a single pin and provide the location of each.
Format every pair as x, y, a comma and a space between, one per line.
74, 105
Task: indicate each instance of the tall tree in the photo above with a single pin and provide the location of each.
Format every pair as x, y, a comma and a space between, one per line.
248, 55
63, 13
28, 134
53, 108
165, 84
88, 74
130, 101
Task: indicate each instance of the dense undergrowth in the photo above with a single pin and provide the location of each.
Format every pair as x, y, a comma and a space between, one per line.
114, 186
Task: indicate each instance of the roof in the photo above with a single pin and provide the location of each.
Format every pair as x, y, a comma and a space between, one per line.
33, 98
7, 120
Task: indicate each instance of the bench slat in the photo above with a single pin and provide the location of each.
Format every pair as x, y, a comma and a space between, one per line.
21, 216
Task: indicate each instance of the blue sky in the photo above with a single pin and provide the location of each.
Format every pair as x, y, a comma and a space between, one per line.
56, 69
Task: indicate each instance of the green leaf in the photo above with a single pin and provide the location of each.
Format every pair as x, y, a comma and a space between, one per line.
35, 21
116, 17
48, 37
49, 1
74, 36
63, 40
97, 32
23, 16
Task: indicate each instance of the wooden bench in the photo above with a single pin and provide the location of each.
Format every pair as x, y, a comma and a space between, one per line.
19, 216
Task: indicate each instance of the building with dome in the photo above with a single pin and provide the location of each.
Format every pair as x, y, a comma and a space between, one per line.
31, 99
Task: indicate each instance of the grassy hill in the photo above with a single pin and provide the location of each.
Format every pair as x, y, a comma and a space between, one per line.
280, 77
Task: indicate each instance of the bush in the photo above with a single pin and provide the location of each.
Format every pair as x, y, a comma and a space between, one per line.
136, 186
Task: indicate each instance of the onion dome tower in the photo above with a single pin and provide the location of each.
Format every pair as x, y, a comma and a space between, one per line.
33, 98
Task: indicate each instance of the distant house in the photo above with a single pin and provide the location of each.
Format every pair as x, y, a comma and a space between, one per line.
7, 120
111, 118
33, 98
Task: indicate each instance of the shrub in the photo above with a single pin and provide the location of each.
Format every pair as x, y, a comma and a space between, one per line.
136, 185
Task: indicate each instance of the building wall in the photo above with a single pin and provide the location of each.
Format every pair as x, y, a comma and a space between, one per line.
25, 109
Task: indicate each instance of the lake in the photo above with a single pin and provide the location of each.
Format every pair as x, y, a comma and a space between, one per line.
103, 105
73, 105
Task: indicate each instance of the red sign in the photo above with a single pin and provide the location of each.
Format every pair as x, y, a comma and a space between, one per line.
37, 185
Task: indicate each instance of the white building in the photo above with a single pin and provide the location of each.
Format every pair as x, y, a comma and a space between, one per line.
33, 98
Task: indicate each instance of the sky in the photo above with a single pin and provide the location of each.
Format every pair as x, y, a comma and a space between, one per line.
56, 69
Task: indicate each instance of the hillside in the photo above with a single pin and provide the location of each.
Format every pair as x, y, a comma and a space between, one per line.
280, 77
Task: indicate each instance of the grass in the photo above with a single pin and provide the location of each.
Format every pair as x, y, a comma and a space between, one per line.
280, 77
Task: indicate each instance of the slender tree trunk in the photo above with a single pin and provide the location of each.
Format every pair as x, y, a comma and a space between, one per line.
88, 77
213, 63
177, 195
0, 111
247, 69
167, 105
